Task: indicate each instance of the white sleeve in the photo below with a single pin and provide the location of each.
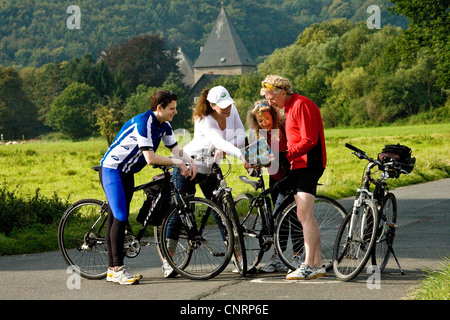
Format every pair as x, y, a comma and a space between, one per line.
168, 137
209, 129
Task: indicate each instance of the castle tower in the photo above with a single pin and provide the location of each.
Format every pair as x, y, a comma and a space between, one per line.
224, 53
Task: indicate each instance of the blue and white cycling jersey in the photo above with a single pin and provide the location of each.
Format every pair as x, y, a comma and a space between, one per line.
143, 132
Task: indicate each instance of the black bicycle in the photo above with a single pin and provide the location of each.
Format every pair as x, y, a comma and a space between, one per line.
222, 196
368, 231
262, 226
204, 240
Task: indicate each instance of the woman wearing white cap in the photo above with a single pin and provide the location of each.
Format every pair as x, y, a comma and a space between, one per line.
216, 126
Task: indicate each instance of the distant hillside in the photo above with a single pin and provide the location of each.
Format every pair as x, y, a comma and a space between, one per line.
35, 32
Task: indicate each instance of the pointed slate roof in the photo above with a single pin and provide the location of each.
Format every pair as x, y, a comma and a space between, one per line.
224, 47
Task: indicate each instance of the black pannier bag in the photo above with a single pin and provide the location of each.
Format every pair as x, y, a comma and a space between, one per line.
160, 195
401, 155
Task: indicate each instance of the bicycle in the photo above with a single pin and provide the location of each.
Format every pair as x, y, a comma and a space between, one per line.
201, 253
368, 231
262, 227
223, 198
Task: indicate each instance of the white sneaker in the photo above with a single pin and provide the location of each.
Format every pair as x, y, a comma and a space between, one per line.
296, 261
274, 265
302, 273
168, 270
110, 276
123, 276
321, 272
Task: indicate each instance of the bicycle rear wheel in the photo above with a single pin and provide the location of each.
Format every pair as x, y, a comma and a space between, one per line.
197, 240
81, 238
252, 224
355, 242
289, 232
386, 232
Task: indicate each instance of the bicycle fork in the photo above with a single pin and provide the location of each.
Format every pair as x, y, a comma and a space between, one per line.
353, 220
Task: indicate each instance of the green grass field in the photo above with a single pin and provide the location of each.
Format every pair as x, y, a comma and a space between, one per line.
65, 168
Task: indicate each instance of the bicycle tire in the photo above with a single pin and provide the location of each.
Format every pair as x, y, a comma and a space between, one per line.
82, 241
204, 249
288, 231
157, 239
252, 223
239, 253
350, 255
386, 232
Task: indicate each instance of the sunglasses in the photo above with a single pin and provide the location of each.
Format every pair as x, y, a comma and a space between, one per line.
260, 105
269, 86
168, 95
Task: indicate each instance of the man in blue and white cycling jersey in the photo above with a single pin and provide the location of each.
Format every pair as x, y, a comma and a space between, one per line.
132, 149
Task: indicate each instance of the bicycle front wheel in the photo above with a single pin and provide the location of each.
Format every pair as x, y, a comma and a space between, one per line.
81, 238
197, 240
355, 241
386, 232
289, 232
252, 224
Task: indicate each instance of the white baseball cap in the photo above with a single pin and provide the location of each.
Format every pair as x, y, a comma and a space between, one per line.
220, 96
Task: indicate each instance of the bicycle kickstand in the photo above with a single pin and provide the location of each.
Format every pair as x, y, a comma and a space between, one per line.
396, 260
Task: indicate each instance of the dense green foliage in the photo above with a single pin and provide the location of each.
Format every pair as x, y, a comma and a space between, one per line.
357, 75
19, 213
18, 115
34, 33
354, 74
428, 27
72, 112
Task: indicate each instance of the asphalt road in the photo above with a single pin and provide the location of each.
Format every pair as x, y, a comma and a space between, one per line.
422, 241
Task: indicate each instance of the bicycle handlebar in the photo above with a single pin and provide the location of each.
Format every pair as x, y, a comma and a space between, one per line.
358, 152
351, 147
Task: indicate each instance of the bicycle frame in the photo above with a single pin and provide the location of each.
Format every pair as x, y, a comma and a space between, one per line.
263, 197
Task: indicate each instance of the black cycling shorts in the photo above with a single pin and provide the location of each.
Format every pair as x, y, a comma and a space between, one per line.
305, 179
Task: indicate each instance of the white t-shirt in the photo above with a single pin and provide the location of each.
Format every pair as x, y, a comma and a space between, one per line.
208, 135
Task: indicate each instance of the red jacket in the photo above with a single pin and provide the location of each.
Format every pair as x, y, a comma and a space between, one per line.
305, 136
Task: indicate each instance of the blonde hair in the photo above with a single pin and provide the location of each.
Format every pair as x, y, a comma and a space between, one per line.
259, 108
278, 82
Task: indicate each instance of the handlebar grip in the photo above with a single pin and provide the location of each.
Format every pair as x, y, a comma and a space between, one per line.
354, 148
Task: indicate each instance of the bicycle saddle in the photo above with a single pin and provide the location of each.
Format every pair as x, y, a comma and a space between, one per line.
254, 184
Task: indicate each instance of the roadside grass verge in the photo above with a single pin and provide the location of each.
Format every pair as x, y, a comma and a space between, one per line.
436, 286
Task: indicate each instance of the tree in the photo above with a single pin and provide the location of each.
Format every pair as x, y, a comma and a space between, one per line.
72, 112
18, 115
85, 69
428, 27
142, 60
109, 118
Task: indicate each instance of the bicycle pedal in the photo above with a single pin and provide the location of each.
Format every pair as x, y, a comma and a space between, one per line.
391, 225
218, 254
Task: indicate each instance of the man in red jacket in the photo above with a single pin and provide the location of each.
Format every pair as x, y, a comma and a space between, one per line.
307, 156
